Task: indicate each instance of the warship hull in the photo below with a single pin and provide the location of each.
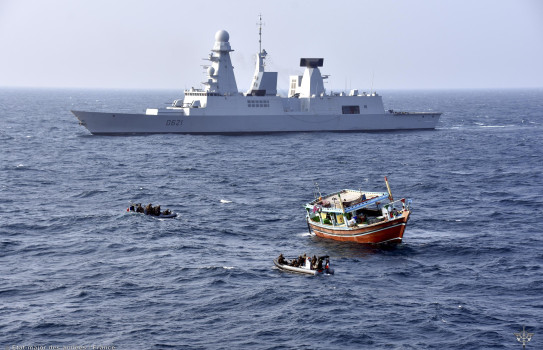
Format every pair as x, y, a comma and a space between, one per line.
100, 123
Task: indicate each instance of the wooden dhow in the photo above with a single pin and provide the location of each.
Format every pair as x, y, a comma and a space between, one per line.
358, 216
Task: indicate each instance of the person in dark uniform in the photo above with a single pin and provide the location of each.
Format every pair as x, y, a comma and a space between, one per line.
149, 209
319, 264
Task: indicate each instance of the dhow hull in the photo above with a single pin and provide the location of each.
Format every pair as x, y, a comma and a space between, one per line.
385, 232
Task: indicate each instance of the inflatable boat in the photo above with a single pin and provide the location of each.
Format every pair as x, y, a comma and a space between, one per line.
309, 267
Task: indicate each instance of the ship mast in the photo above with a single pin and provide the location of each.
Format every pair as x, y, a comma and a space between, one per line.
260, 33
264, 83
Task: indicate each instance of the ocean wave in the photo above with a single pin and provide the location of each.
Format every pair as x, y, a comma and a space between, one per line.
76, 265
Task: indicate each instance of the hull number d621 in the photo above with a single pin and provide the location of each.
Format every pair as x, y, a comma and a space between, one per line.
174, 122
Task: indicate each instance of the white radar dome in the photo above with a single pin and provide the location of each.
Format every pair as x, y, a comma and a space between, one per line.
222, 36
210, 71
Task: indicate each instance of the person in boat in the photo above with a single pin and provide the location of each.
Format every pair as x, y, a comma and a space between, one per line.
139, 208
307, 263
167, 212
157, 210
302, 260
360, 219
314, 262
327, 266
319, 264
149, 209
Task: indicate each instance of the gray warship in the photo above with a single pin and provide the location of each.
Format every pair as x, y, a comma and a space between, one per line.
219, 108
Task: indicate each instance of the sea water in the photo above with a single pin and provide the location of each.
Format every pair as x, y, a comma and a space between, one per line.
77, 270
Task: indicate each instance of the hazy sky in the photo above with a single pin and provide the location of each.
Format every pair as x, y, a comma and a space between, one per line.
399, 44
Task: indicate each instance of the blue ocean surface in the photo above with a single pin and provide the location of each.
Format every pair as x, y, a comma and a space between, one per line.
77, 270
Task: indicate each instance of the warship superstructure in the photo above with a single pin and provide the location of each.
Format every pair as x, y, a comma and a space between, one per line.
219, 108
